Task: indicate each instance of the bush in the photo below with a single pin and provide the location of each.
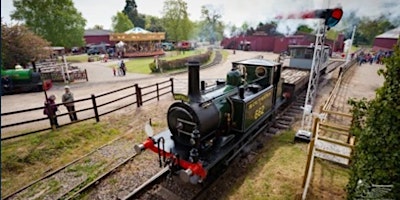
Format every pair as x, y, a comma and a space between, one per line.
178, 63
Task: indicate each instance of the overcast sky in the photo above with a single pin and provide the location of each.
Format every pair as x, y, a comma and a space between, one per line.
233, 11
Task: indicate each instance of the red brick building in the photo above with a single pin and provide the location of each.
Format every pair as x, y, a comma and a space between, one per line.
95, 36
387, 40
278, 44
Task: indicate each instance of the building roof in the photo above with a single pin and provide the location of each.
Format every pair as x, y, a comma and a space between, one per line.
392, 34
256, 61
97, 32
136, 30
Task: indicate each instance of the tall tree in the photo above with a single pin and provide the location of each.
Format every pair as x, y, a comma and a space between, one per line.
131, 11
376, 126
121, 23
154, 24
176, 20
213, 26
304, 29
368, 29
98, 27
59, 22
20, 45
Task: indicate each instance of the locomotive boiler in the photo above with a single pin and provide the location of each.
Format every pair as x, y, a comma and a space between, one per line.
210, 127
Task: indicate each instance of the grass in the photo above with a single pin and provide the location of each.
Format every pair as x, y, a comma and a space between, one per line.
141, 65
77, 58
278, 174
30, 157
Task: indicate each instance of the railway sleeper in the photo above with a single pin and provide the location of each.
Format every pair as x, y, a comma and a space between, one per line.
285, 122
280, 126
165, 193
287, 118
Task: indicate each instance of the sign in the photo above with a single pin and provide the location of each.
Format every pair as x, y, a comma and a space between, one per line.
257, 107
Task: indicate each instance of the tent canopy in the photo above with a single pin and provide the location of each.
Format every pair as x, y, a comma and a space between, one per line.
136, 30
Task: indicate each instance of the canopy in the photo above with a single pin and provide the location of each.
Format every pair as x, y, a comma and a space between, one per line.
136, 30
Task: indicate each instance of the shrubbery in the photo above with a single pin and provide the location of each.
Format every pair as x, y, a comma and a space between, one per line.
178, 63
375, 172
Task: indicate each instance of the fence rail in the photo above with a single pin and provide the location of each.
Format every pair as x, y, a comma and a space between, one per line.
139, 96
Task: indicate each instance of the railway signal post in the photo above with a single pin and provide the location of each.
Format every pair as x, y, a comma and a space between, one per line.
330, 17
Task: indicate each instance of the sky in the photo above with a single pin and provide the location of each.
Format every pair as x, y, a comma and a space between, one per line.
234, 12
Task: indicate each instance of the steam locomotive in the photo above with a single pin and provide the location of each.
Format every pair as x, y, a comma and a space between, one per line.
210, 127
22, 80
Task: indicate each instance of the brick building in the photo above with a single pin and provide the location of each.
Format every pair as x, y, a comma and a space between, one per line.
387, 40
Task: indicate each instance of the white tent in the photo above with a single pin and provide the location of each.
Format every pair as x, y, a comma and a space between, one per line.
120, 44
136, 30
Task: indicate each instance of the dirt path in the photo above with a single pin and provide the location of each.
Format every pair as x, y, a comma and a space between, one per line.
101, 80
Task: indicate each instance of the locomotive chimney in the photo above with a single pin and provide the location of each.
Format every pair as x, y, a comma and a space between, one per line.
194, 81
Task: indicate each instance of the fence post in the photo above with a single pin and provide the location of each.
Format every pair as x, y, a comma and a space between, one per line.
172, 85
87, 78
96, 113
158, 93
138, 96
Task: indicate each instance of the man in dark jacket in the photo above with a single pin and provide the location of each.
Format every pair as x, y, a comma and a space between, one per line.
51, 109
68, 101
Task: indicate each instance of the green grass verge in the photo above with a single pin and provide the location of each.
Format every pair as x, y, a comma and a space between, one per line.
28, 158
141, 65
77, 58
278, 174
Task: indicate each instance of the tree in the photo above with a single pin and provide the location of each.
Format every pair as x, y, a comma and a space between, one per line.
121, 23
131, 11
245, 26
212, 26
368, 29
304, 29
154, 24
269, 28
376, 126
98, 27
57, 21
176, 20
20, 45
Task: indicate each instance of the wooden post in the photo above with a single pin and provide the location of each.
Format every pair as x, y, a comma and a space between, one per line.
308, 162
87, 78
158, 93
96, 113
138, 95
172, 85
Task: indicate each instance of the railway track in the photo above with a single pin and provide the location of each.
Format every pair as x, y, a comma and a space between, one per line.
164, 187
40, 189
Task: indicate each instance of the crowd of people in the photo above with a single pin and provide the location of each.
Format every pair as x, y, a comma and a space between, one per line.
373, 57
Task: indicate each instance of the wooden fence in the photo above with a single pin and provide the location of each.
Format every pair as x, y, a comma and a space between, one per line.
138, 95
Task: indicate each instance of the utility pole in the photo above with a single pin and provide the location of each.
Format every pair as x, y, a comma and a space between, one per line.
317, 63
330, 17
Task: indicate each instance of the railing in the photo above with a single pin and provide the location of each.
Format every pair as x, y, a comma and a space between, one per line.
100, 105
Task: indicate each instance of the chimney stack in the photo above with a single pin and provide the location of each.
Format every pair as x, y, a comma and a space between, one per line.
194, 81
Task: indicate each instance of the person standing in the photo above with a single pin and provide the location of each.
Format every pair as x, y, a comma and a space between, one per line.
50, 109
68, 101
